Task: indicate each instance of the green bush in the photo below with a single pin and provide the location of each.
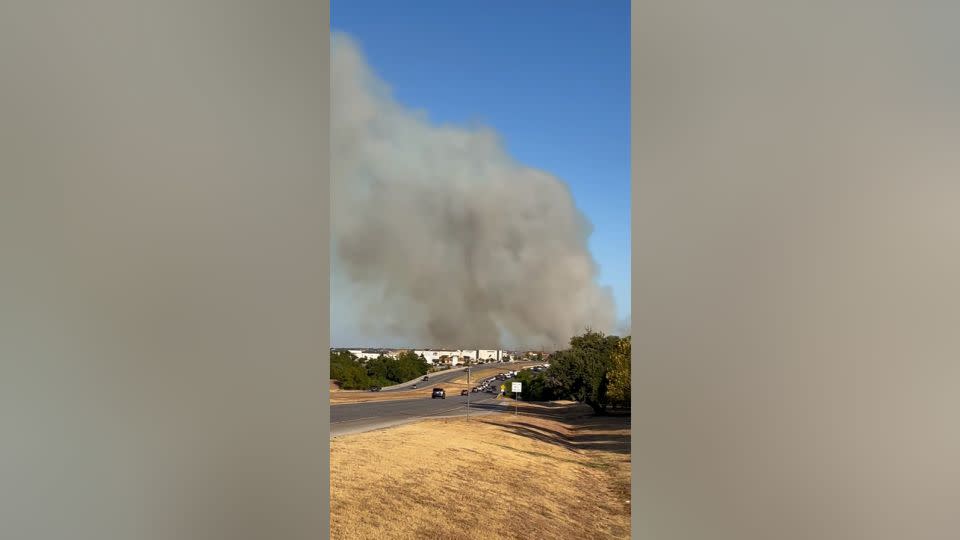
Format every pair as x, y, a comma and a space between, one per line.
382, 371
535, 386
581, 372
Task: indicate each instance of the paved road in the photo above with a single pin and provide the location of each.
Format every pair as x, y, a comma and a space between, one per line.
447, 376
358, 417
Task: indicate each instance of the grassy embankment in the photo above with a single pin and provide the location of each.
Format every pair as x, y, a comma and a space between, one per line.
554, 472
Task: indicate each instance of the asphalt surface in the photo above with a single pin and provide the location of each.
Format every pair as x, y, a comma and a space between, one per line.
447, 376
358, 417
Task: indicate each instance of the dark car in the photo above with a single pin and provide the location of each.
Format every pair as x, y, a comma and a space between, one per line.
464, 392
439, 393
414, 386
425, 378
475, 389
375, 388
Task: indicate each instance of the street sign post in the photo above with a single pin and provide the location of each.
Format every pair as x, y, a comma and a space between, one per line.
516, 390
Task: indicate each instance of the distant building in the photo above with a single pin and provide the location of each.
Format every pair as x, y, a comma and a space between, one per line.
450, 357
436, 356
489, 355
370, 354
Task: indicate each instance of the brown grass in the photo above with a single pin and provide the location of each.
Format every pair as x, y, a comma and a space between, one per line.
566, 475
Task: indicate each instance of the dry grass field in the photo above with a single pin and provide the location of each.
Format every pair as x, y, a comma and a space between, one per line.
553, 472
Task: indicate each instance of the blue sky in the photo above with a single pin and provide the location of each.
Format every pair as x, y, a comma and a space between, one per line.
552, 77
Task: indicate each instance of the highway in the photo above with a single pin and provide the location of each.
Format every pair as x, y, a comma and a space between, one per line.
447, 376
358, 417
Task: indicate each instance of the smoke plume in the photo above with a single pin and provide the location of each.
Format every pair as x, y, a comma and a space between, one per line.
440, 238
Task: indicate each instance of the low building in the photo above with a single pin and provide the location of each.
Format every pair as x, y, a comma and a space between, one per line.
434, 356
488, 355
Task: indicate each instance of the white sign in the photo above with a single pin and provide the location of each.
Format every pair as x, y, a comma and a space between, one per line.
516, 387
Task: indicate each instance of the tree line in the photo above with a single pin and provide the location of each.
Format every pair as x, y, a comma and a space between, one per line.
354, 374
595, 370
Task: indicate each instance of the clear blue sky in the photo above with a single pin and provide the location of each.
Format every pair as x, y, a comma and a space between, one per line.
552, 77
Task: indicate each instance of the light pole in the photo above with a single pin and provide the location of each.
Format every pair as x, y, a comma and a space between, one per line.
468, 389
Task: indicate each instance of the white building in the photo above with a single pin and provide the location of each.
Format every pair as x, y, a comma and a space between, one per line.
433, 356
490, 355
370, 354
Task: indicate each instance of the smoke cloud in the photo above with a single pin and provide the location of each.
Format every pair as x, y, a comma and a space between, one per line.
440, 238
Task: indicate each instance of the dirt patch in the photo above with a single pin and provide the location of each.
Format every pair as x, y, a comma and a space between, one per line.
553, 472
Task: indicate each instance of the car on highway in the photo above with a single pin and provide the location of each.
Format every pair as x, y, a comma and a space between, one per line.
425, 378
414, 386
375, 388
464, 392
439, 393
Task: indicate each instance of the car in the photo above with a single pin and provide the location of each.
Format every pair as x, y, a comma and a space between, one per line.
375, 389
425, 378
464, 392
414, 386
439, 393
475, 389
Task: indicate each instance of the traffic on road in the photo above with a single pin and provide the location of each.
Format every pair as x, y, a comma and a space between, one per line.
482, 398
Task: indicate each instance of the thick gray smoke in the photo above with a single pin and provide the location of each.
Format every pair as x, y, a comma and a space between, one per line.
440, 238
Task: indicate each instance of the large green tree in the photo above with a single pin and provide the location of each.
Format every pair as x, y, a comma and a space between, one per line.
580, 372
618, 378
385, 370
347, 369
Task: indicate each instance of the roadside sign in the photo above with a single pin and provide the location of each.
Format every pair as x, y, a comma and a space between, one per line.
516, 387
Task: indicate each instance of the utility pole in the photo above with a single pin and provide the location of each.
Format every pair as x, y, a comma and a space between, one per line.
468, 389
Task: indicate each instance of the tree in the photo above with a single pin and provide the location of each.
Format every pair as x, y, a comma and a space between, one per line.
580, 372
378, 369
406, 366
618, 378
347, 369
535, 387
